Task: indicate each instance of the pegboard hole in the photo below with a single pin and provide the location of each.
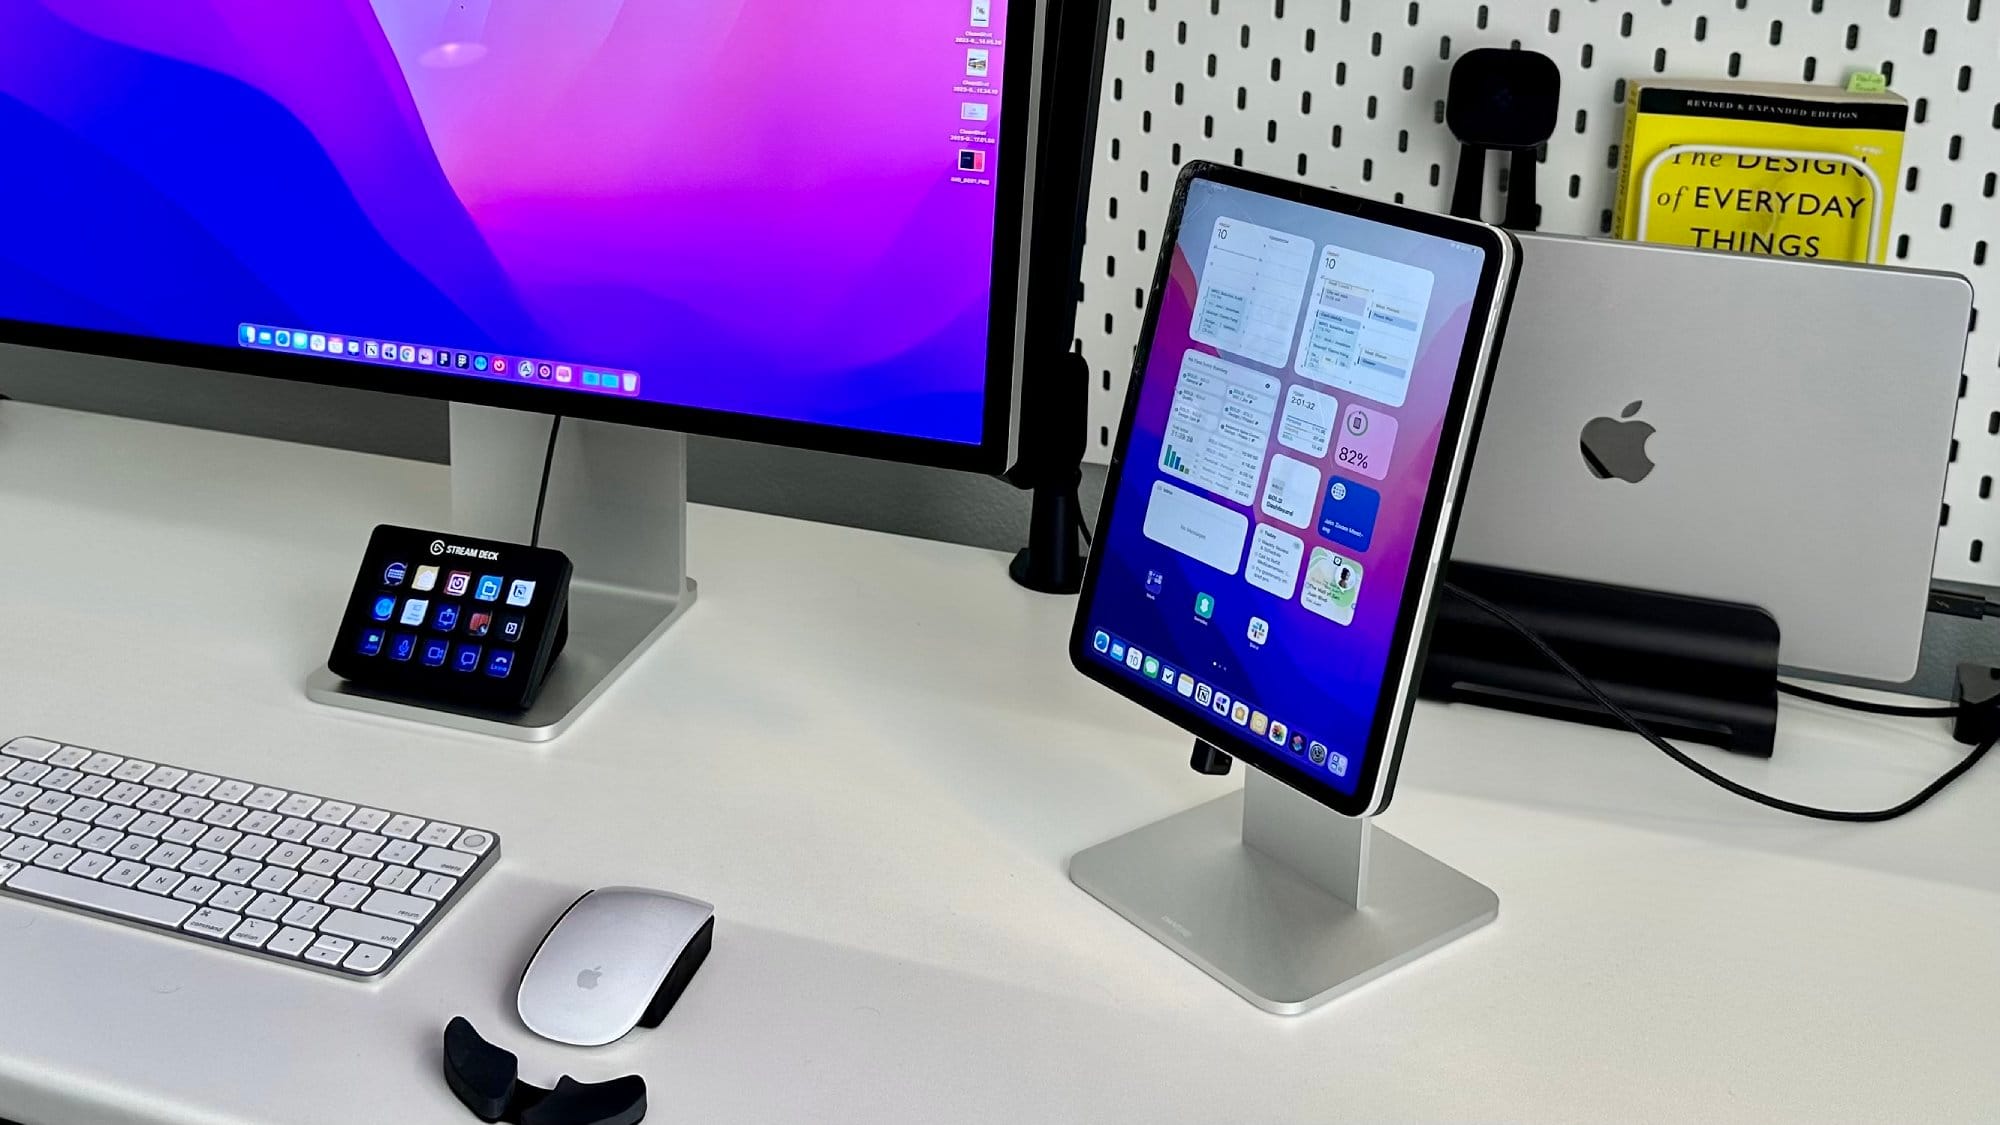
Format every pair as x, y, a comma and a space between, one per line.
1555, 20
1701, 29
1978, 549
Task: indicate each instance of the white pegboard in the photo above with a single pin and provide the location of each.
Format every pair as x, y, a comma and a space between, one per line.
1349, 93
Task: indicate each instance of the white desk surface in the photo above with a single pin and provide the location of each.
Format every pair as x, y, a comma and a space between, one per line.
871, 754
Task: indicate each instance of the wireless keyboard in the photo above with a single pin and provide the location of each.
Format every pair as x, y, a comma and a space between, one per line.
328, 884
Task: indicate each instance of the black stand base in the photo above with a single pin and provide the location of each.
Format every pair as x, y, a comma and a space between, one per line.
1692, 669
1051, 562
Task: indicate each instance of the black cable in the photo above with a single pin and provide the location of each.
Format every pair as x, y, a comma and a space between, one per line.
1082, 525
1872, 708
1670, 750
542, 494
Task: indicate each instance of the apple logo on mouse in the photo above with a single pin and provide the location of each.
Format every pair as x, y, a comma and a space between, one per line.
588, 978
1616, 447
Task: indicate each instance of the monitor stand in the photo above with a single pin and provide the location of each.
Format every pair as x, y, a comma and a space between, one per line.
1285, 901
617, 506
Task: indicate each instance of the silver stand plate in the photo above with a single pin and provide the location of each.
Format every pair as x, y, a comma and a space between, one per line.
1280, 898
617, 506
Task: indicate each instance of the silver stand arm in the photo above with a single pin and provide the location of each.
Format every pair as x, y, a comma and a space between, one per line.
617, 506
1280, 898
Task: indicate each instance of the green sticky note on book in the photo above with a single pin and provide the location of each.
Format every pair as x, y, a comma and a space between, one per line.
1866, 82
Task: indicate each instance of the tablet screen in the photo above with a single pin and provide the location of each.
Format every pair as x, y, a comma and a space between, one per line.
1274, 502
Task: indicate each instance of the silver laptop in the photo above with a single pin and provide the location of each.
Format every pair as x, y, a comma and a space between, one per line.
1757, 430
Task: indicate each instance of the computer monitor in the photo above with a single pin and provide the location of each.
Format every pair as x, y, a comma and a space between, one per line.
792, 222
780, 220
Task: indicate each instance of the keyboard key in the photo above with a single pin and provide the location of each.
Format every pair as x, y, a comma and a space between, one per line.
231, 792
153, 909
19, 795
324, 863
7, 868
438, 835
24, 849
197, 890
240, 871
162, 881
166, 777
328, 950
360, 871
125, 793
202, 863
396, 878
158, 801
132, 770
253, 932
34, 824
253, 848
403, 908
117, 818
198, 784
329, 836
210, 922
274, 879
260, 823
436, 887
288, 855
333, 812
219, 839
368, 820
366, 928
298, 804
61, 780
169, 855
399, 851
85, 811
92, 865
100, 840
311, 887
265, 798
192, 808
92, 787
225, 815
293, 830
364, 844
101, 763
134, 847
232, 898
403, 827
126, 873
51, 801
184, 832
366, 959
57, 856
269, 906
69, 757
27, 773
34, 749
444, 862
67, 832
347, 895
305, 914
290, 942
151, 824
9, 814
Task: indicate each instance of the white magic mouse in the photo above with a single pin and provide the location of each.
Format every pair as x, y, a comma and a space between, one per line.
617, 959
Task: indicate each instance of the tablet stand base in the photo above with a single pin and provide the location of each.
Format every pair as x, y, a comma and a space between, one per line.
1286, 902
617, 505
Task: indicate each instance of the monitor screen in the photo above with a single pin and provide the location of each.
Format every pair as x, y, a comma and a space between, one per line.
1278, 477
775, 209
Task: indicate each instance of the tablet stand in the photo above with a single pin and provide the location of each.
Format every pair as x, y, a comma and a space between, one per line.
617, 506
1277, 896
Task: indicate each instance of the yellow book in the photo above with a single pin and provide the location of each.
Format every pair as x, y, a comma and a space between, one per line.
1782, 169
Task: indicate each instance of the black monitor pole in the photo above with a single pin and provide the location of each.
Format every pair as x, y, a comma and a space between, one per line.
1055, 388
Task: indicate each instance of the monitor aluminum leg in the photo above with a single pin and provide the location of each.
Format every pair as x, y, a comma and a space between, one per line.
617, 506
1281, 899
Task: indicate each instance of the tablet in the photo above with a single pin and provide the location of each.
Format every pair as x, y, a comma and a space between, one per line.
1281, 497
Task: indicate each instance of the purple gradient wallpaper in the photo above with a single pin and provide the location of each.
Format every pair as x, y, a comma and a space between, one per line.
1243, 595
781, 208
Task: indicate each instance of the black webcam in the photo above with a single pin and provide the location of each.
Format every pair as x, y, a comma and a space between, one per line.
1501, 99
